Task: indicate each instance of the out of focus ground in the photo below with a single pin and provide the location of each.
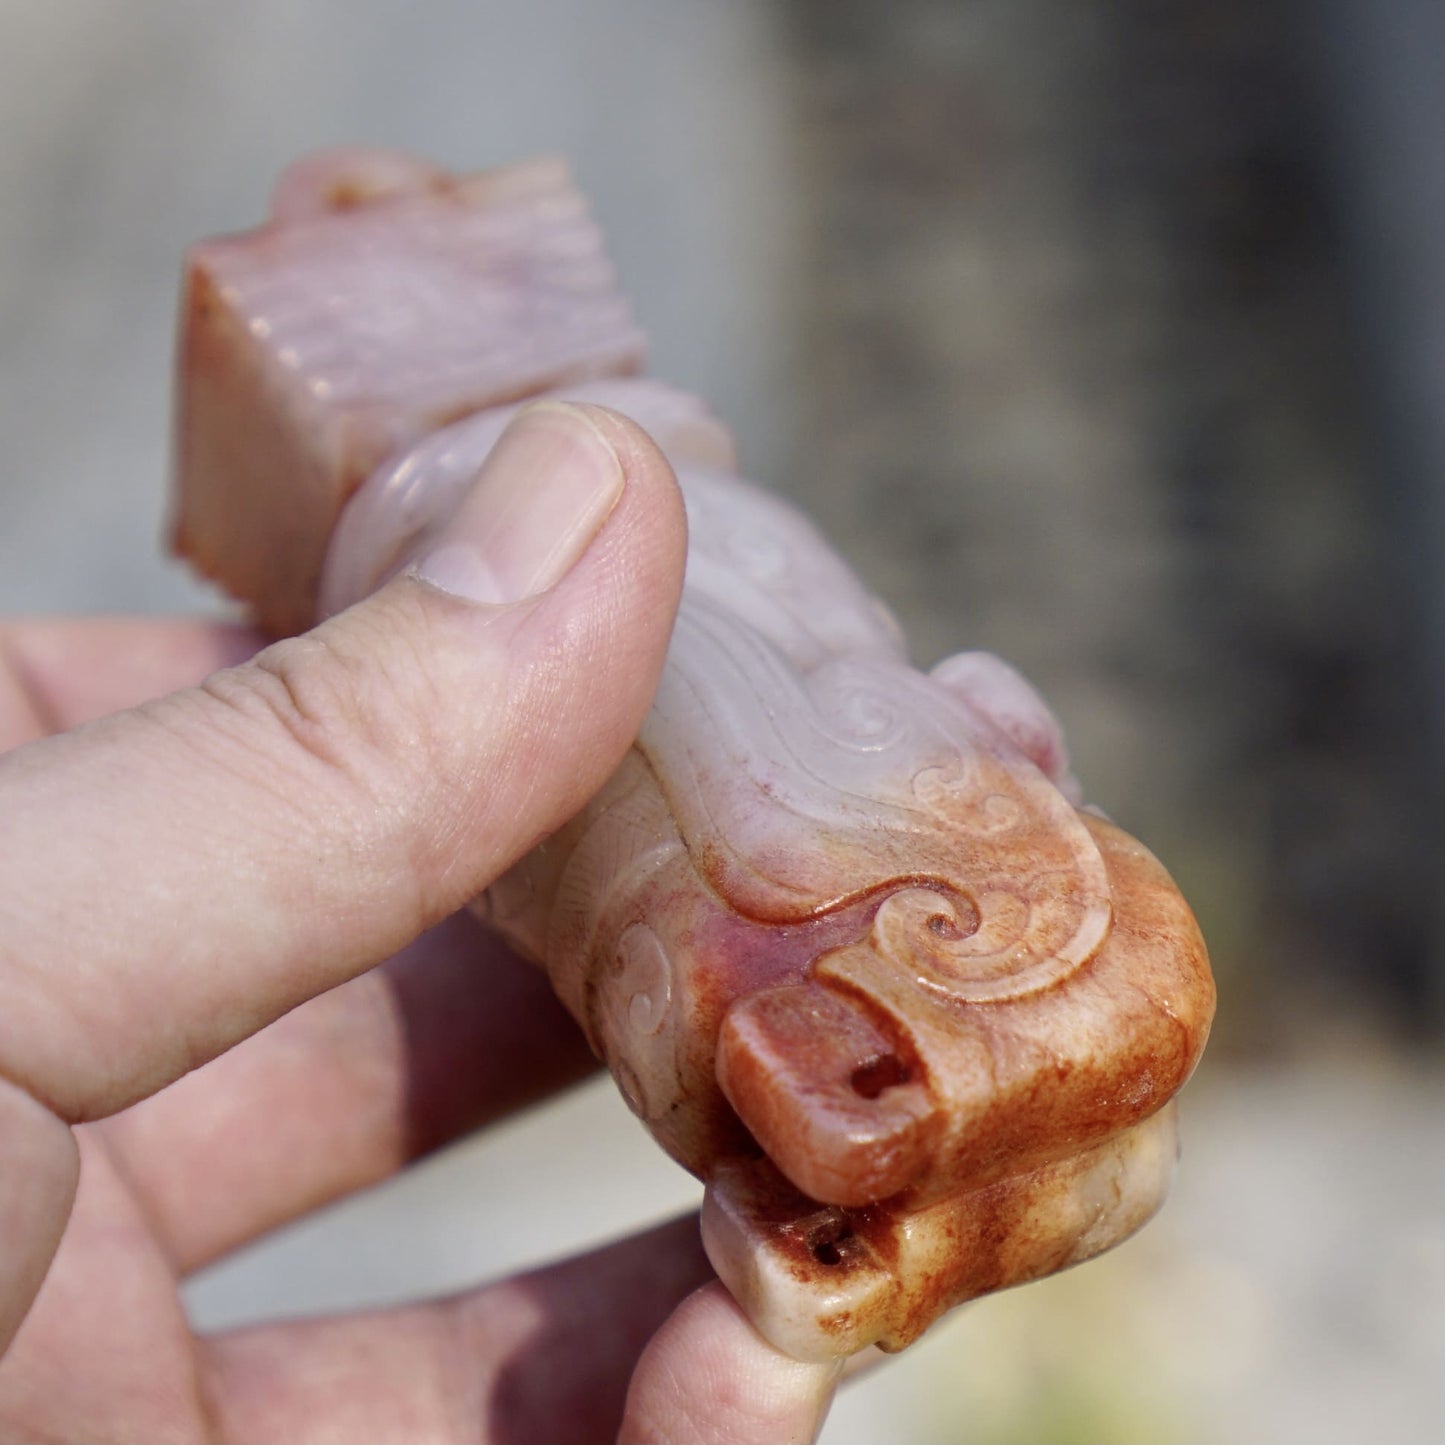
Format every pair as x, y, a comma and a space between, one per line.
1099, 334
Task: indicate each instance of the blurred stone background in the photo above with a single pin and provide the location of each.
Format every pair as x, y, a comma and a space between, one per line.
1105, 334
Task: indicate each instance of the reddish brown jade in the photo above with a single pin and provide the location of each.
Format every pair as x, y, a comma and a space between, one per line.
838, 927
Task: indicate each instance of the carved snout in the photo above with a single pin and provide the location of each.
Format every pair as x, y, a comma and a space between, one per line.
841, 1110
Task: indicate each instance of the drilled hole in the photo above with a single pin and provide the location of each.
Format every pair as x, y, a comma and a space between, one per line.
826, 1245
885, 1072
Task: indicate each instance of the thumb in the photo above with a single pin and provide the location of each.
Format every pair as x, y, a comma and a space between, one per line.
185, 872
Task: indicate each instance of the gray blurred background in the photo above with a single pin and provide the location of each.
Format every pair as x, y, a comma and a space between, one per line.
1110, 336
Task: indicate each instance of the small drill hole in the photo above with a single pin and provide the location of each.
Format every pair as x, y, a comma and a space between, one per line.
826, 1245
885, 1072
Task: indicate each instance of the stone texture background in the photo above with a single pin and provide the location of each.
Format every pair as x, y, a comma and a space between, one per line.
1104, 334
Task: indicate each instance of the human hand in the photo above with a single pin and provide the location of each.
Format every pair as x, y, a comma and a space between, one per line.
196, 1044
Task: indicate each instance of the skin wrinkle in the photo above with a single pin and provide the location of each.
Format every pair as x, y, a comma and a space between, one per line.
315, 700
381, 794
307, 757
229, 712
357, 711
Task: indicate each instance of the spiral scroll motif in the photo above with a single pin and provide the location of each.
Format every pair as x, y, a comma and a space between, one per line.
1001, 945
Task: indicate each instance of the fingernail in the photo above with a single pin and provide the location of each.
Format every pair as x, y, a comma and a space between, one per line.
539, 499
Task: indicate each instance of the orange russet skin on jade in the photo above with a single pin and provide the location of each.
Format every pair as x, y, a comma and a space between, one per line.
852, 948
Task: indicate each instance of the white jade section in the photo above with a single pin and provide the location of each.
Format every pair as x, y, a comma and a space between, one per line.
386, 301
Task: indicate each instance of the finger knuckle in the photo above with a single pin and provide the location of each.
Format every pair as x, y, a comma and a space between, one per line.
331, 722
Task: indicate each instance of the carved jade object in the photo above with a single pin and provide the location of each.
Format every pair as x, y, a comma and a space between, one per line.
838, 927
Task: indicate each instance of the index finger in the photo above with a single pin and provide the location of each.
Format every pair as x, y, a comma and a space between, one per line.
59, 672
